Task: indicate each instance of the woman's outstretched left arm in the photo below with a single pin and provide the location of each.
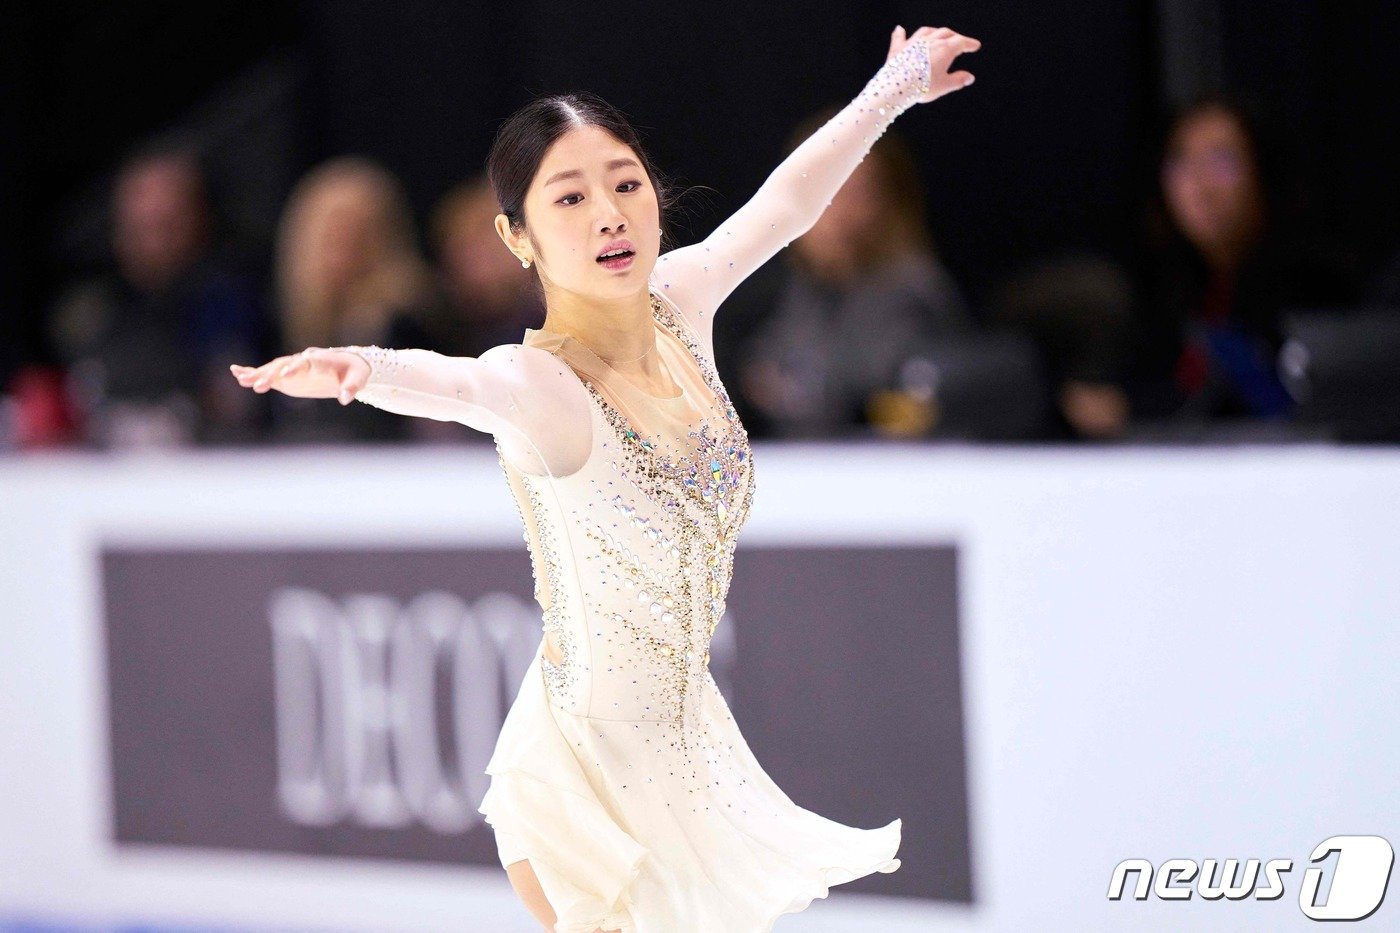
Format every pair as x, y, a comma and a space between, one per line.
697, 278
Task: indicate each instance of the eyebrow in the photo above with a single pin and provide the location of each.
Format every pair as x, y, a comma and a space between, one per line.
575, 173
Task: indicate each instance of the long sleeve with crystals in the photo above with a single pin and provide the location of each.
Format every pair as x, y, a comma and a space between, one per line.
699, 277
524, 396
475, 391
427, 384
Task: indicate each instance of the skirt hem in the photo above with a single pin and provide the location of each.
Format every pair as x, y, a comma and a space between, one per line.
580, 906
830, 877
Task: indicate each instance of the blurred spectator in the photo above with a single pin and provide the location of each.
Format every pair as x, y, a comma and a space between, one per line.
147, 345
1224, 259
1077, 309
490, 298
349, 272
864, 295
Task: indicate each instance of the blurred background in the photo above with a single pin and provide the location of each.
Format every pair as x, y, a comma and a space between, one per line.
1110, 340
1165, 220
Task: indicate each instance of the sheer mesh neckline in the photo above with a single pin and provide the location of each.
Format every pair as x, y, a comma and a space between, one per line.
578, 346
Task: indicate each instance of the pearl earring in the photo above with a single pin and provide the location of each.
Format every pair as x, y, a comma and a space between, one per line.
524, 263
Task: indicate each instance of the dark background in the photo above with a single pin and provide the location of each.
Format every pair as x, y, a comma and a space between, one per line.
1048, 152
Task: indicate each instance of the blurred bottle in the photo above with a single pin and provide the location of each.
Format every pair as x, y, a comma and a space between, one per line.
912, 410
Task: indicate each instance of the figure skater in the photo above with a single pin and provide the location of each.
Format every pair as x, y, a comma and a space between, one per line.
623, 796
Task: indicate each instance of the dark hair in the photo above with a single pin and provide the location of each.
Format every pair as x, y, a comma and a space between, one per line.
525, 137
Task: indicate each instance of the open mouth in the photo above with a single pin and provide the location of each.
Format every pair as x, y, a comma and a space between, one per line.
615, 257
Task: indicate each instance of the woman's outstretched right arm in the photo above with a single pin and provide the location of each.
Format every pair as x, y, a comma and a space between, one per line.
527, 397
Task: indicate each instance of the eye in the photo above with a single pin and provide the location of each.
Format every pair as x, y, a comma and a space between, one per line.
567, 203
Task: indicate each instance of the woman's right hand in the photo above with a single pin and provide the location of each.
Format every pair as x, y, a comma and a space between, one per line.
316, 372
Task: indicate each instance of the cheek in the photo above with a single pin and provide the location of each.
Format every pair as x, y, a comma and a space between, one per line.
549, 235
1237, 190
1180, 191
651, 215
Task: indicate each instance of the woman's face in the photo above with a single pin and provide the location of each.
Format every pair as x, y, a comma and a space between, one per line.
482, 276
1208, 178
589, 192
343, 243
342, 234
160, 222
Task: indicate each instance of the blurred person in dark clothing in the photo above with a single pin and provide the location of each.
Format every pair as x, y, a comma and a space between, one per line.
1077, 307
490, 299
349, 272
864, 293
144, 344
1224, 258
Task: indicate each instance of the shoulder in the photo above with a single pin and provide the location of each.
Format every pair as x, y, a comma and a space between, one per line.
691, 317
549, 409
534, 370
521, 361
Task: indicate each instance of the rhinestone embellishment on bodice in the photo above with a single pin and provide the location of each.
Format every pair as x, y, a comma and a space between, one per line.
655, 526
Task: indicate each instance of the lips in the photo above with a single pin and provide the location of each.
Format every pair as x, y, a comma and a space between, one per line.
616, 245
620, 264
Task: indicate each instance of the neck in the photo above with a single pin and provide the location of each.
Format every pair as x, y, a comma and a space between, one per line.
1226, 256
1227, 253
619, 330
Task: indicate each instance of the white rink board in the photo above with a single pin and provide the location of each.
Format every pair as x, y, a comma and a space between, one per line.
1168, 653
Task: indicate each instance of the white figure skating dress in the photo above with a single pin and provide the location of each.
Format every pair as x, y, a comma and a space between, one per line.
619, 771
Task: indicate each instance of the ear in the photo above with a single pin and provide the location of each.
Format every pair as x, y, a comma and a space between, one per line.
516, 244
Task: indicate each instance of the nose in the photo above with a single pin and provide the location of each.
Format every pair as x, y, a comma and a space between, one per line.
614, 216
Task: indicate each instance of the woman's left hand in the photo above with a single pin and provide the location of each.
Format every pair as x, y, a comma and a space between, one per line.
944, 45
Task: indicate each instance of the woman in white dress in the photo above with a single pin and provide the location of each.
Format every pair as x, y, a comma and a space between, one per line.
623, 796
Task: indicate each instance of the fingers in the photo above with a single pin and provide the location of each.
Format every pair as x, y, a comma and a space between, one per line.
348, 390
246, 375
260, 379
298, 364
961, 42
264, 377
265, 374
950, 45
